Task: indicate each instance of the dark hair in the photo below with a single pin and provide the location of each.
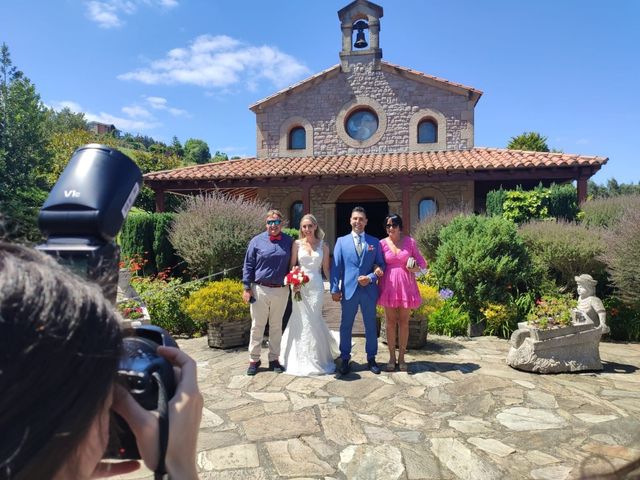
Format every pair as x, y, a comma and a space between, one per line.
60, 342
359, 209
395, 219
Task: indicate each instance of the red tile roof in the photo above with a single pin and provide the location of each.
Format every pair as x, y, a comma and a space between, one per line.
381, 164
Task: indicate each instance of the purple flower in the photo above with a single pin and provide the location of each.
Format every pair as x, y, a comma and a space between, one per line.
445, 293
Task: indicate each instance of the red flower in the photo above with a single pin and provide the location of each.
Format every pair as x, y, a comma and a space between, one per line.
297, 278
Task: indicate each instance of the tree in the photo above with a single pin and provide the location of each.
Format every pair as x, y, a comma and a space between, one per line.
176, 147
531, 141
196, 151
23, 155
219, 157
64, 121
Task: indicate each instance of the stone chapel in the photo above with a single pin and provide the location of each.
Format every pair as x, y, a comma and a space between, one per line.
371, 133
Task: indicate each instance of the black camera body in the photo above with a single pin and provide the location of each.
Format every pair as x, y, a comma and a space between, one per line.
143, 373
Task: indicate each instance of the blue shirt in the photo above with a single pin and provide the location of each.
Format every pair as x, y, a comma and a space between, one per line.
266, 261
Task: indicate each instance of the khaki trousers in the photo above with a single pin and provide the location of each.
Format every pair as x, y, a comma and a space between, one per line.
269, 306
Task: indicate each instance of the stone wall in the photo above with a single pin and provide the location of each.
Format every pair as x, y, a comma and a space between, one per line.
400, 98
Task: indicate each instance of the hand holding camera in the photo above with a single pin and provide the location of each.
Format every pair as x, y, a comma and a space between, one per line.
185, 412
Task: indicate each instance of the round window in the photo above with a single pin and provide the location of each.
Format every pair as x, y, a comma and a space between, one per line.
362, 124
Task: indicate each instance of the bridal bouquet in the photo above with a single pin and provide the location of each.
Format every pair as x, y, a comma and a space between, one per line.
296, 277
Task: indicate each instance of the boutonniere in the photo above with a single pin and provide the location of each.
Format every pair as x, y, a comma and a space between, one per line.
370, 248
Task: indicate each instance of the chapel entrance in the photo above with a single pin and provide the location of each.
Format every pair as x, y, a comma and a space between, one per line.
373, 201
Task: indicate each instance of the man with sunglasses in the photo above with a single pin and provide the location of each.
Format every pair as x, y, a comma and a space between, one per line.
265, 265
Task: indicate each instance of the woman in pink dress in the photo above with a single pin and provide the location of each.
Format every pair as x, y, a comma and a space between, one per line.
399, 292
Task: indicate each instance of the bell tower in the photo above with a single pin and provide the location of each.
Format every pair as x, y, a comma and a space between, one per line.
360, 24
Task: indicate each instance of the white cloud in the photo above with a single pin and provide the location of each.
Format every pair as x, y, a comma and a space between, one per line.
108, 13
218, 62
131, 123
159, 103
136, 111
583, 141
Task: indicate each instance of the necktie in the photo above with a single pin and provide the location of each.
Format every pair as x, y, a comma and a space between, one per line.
359, 246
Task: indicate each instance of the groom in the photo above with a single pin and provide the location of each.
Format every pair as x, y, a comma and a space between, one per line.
353, 283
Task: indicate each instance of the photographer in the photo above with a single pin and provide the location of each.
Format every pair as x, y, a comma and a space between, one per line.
60, 343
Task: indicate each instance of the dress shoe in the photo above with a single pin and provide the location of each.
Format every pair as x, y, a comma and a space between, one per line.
274, 366
253, 368
344, 367
373, 366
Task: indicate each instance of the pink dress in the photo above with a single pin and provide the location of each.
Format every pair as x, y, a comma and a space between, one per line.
398, 286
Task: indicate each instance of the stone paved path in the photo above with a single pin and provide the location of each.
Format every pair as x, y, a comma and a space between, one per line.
461, 413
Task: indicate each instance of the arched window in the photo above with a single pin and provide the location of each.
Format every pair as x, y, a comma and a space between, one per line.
427, 208
296, 214
428, 131
297, 139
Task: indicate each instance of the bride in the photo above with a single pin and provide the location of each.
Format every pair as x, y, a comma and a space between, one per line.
308, 347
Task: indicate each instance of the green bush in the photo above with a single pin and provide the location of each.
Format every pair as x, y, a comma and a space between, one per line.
292, 232
563, 250
520, 206
211, 232
623, 320
164, 303
606, 212
563, 202
427, 232
136, 240
164, 253
483, 260
622, 258
556, 201
146, 235
450, 319
494, 202
217, 302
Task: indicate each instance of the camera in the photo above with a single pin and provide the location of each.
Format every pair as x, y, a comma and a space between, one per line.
148, 377
80, 218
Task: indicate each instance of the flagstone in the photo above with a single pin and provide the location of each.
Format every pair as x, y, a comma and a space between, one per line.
356, 389
281, 426
410, 436
416, 392
470, 425
491, 445
268, 396
523, 419
340, 426
431, 379
210, 419
319, 445
382, 392
292, 458
421, 463
377, 434
276, 407
299, 402
365, 462
537, 457
225, 458
208, 440
592, 418
462, 461
239, 381
541, 399
620, 393
525, 384
617, 451
556, 472
438, 396
307, 385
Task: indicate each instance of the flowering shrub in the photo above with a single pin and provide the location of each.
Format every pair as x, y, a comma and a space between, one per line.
450, 319
217, 302
552, 312
134, 263
501, 320
131, 309
623, 320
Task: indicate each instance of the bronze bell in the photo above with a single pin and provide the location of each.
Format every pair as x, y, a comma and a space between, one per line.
360, 41
360, 26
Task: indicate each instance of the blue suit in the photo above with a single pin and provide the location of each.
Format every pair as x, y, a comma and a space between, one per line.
347, 267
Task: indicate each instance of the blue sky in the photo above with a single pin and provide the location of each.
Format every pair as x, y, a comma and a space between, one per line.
568, 69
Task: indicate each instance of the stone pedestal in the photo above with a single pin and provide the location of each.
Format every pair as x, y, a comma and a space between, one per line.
567, 349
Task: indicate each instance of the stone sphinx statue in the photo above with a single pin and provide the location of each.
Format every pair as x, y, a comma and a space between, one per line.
572, 348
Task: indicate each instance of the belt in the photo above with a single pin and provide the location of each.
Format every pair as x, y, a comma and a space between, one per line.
270, 285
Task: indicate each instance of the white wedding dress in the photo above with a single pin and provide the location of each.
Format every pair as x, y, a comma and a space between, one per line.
308, 347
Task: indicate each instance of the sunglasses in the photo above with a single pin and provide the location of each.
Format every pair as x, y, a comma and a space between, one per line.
274, 222
392, 225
